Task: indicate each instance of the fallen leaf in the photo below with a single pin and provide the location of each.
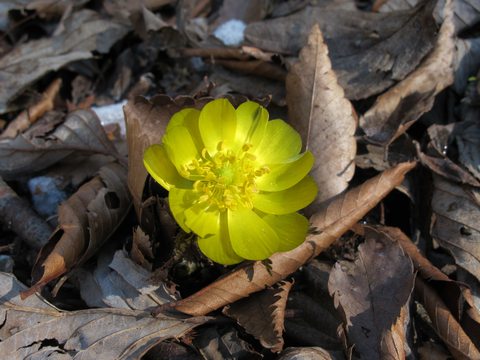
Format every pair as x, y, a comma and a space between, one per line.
34, 329
86, 220
369, 51
85, 32
329, 224
325, 119
246, 11
262, 315
41, 146
467, 62
224, 343
142, 252
371, 294
118, 282
467, 12
456, 295
455, 222
468, 142
310, 353
398, 108
445, 325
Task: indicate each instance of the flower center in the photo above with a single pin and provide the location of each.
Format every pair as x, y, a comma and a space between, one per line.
227, 179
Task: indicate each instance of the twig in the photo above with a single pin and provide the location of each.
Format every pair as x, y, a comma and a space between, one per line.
34, 112
18, 216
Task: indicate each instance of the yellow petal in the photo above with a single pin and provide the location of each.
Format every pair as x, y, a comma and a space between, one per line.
218, 247
189, 119
252, 120
217, 123
251, 237
179, 201
279, 143
287, 201
285, 175
291, 229
180, 147
201, 220
161, 168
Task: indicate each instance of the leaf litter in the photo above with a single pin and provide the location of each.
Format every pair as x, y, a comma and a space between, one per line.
130, 284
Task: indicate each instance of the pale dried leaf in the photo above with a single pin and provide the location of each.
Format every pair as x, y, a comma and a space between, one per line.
262, 315
330, 223
398, 108
37, 148
120, 283
369, 51
86, 220
85, 32
318, 109
30, 326
310, 353
371, 293
445, 325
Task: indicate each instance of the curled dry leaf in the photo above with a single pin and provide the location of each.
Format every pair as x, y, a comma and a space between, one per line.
318, 109
330, 224
369, 51
311, 353
40, 146
398, 108
35, 329
445, 324
85, 31
372, 294
262, 315
86, 220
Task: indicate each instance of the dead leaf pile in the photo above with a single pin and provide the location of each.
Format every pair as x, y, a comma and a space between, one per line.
385, 95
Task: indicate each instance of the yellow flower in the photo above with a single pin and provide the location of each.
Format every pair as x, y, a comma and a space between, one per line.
235, 179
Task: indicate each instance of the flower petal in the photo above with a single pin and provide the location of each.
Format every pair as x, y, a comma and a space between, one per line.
180, 147
285, 175
251, 237
218, 247
217, 123
252, 120
160, 167
189, 119
280, 142
180, 200
201, 220
291, 229
287, 201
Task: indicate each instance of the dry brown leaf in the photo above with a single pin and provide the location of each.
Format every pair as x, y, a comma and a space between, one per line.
35, 329
398, 108
27, 117
369, 51
330, 224
455, 223
372, 295
41, 146
444, 323
85, 32
318, 109
457, 296
86, 220
142, 252
262, 315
